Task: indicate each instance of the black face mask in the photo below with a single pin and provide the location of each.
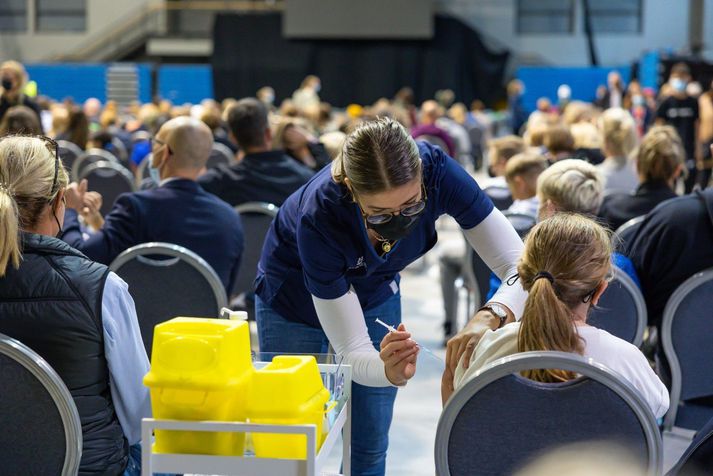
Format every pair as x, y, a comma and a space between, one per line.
7, 84
397, 228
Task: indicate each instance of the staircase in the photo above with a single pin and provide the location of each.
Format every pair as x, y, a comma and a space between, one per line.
122, 84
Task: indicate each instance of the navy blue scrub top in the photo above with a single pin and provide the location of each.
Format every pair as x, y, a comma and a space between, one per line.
318, 243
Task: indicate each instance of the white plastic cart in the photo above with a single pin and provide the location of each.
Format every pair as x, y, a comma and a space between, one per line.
340, 423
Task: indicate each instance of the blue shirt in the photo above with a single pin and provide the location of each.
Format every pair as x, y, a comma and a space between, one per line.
318, 243
126, 357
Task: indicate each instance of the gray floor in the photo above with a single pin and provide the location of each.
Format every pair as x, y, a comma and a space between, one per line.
418, 405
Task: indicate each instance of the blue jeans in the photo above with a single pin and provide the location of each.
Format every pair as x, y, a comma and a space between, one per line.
133, 468
372, 407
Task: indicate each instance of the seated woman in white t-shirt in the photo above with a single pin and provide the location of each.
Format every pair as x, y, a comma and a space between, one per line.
564, 269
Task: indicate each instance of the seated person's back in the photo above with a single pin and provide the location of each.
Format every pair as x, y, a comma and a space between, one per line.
564, 269
674, 242
659, 162
263, 174
179, 211
73, 312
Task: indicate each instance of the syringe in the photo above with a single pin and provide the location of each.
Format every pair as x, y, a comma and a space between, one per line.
426, 349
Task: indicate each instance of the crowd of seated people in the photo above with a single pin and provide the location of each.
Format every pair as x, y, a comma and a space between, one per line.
618, 158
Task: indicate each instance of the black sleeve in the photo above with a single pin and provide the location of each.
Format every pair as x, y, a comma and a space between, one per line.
662, 110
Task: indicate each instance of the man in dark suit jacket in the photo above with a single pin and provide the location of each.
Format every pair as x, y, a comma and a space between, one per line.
177, 212
263, 174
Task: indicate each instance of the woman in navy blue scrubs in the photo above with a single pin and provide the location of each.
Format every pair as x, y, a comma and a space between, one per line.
331, 261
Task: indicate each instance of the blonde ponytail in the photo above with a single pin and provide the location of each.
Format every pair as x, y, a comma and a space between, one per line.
548, 327
566, 258
9, 229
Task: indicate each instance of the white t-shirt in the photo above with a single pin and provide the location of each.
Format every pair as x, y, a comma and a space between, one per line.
612, 352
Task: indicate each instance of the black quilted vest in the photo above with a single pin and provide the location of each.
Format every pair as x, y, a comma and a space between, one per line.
53, 304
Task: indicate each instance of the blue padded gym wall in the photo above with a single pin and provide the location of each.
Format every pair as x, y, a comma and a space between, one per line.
185, 83
544, 81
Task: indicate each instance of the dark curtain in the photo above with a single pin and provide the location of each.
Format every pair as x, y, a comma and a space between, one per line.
249, 52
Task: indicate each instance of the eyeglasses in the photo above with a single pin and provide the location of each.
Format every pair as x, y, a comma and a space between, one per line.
407, 211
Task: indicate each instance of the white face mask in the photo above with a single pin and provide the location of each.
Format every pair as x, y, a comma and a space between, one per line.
153, 171
317, 87
678, 84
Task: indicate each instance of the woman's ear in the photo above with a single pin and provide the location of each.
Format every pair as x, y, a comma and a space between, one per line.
599, 291
57, 201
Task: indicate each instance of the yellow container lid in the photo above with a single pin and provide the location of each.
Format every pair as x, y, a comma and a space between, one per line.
198, 353
288, 385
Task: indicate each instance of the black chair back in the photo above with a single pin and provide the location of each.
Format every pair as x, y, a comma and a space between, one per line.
621, 239
621, 310
110, 179
220, 154
686, 330
120, 151
437, 141
41, 431
168, 281
522, 222
92, 156
69, 152
496, 422
698, 458
256, 218
501, 197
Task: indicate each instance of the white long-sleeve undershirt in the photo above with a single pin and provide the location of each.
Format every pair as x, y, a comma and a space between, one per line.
342, 319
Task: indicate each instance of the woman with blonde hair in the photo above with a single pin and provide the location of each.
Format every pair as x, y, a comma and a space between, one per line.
619, 139
332, 257
565, 268
660, 161
89, 330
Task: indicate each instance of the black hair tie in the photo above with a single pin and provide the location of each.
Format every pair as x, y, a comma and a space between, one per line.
512, 279
546, 275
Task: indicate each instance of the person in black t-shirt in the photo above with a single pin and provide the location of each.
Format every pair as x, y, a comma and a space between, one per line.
681, 111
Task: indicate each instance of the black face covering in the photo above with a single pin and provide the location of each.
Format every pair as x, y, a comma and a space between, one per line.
7, 84
397, 228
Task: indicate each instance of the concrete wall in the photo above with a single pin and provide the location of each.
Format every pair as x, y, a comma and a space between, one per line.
102, 15
665, 25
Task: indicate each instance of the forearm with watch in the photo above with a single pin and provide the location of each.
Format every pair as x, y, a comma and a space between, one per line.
500, 247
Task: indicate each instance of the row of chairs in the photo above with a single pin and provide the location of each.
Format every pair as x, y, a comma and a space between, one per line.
111, 176
491, 426
76, 160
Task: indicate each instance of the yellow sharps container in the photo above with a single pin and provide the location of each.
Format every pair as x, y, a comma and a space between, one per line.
288, 391
201, 369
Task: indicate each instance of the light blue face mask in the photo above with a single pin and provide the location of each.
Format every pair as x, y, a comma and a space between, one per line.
678, 84
154, 172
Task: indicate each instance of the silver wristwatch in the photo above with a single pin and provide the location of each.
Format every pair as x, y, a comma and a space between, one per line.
497, 310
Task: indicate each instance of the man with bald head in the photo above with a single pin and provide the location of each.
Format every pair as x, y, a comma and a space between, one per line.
179, 211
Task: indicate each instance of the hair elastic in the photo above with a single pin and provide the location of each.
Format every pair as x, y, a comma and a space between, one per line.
546, 275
